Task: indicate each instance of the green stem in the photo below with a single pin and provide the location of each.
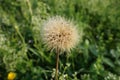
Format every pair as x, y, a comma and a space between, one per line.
17, 30
29, 6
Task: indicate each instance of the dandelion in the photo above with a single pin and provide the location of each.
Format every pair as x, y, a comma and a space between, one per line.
11, 75
60, 35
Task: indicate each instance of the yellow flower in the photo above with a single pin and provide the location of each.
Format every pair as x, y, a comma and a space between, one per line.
59, 33
11, 75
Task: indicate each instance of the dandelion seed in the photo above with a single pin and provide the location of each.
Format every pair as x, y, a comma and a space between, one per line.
59, 33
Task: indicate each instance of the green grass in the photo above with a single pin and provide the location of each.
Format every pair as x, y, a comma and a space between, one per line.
97, 57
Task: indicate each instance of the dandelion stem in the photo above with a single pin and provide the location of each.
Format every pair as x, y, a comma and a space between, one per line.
57, 61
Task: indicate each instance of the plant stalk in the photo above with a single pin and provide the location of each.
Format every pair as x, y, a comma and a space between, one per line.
57, 62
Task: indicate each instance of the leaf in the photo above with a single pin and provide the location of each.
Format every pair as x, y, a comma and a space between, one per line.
93, 49
108, 62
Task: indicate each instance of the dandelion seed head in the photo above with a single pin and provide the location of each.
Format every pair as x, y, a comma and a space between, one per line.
59, 33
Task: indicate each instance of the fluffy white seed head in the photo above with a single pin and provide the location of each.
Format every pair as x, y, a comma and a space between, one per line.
59, 33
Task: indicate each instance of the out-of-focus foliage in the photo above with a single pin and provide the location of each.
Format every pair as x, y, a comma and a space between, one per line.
97, 57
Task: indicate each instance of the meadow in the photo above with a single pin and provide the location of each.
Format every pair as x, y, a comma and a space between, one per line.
23, 56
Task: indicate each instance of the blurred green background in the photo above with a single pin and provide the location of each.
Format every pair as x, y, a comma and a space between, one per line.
97, 57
